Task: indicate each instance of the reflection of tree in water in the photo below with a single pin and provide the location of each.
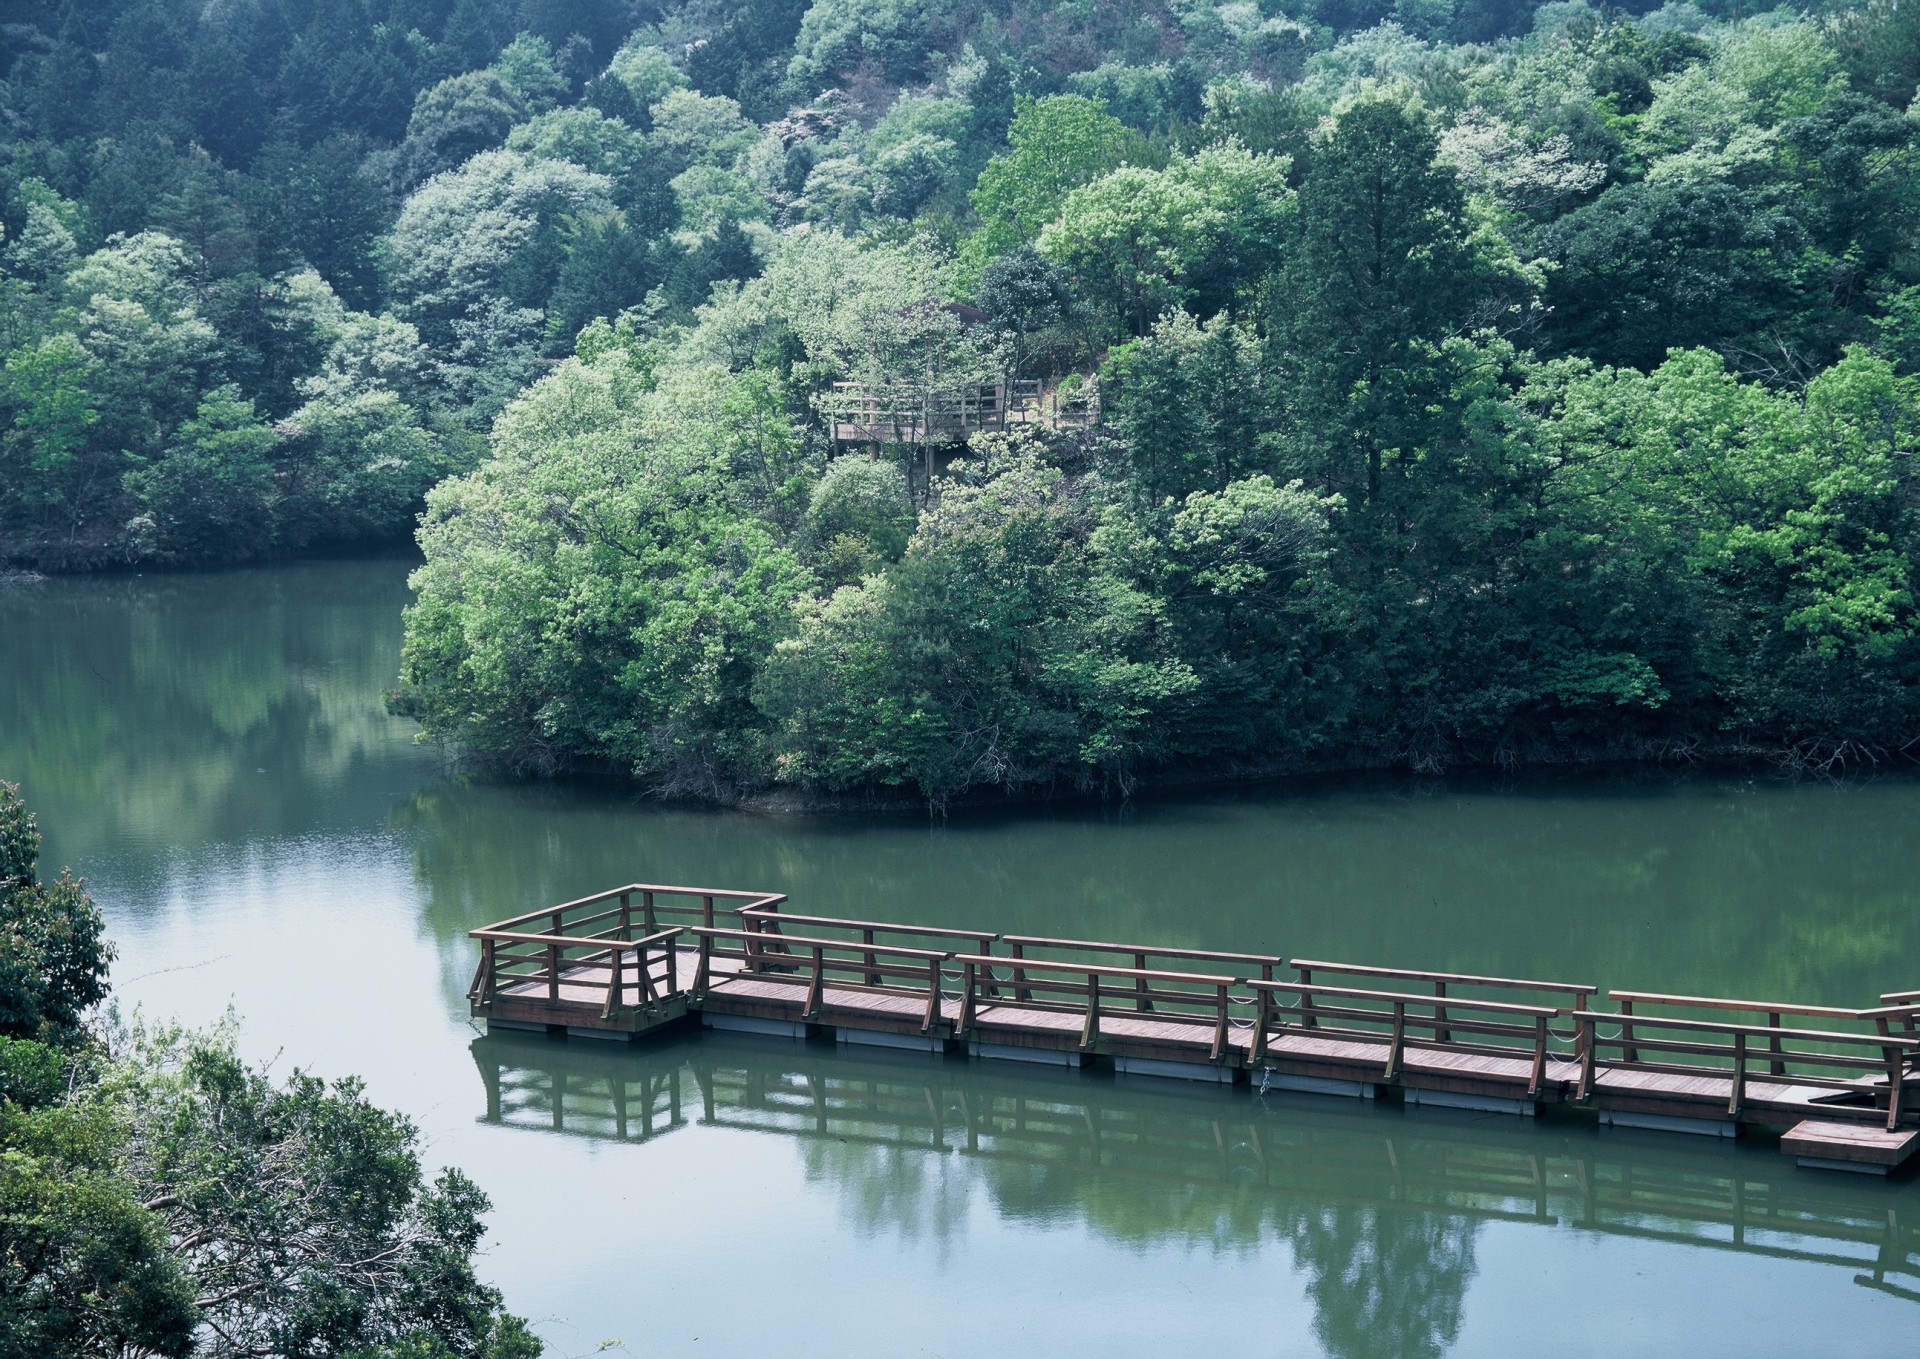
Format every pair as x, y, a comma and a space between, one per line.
196, 710
905, 1192
1384, 1281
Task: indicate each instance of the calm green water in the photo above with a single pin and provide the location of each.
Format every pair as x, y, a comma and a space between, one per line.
212, 753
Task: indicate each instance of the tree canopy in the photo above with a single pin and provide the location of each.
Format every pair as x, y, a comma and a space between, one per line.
1487, 381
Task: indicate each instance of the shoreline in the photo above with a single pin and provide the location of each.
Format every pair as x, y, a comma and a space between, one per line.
1672, 763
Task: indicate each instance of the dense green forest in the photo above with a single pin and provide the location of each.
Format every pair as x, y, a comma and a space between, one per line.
1475, 381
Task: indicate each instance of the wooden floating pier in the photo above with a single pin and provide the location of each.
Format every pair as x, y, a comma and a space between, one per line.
643, 957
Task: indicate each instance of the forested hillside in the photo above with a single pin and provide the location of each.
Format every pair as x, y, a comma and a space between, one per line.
1460, 381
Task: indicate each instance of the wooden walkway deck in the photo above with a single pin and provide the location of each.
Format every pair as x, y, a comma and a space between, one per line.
644, 957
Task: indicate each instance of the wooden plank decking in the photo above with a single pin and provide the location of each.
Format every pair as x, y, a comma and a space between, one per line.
644, 957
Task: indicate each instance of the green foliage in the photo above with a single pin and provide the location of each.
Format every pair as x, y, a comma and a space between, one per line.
1058, 143
1546, 396
159, 1196
53, 950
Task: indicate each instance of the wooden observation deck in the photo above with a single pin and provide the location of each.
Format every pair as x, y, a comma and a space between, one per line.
643, 957
904, 414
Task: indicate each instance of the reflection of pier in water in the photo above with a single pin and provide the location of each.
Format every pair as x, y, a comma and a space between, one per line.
1266, 1161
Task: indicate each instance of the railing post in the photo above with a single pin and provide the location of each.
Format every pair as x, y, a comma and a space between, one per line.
1539, 1074
812, 1006
872, 973
964, 1020
489, 964
1307, 1018
1090, 1032
673, 965
706, 911
702, 973
613, 984
1896, 1077
1777, 1066
1441, 1033
1739, 1075
1020, 991
1399, 1039
1584, 1045
553, 973
1142, 1001
1629, 1054
626, 915
932, 1014
646, 912
1220, 1024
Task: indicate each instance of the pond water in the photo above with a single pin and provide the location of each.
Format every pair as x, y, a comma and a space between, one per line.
211, 751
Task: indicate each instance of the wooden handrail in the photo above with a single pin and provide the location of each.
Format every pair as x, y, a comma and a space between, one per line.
1461, 978
1900, 997
759, 899
576, 940
808, 941
938, 931
1447, 1002
1211, 955
1756, 1006
1001, 960
1877, 1040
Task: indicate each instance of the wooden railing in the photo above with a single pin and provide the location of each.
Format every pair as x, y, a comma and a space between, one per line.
1631, 1003
1395, 1020
543, 966
1095, 991
1875, 1064
870, 934
567, 946
1026, 949
910, 413
617, 956
1565, 996
809, 964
